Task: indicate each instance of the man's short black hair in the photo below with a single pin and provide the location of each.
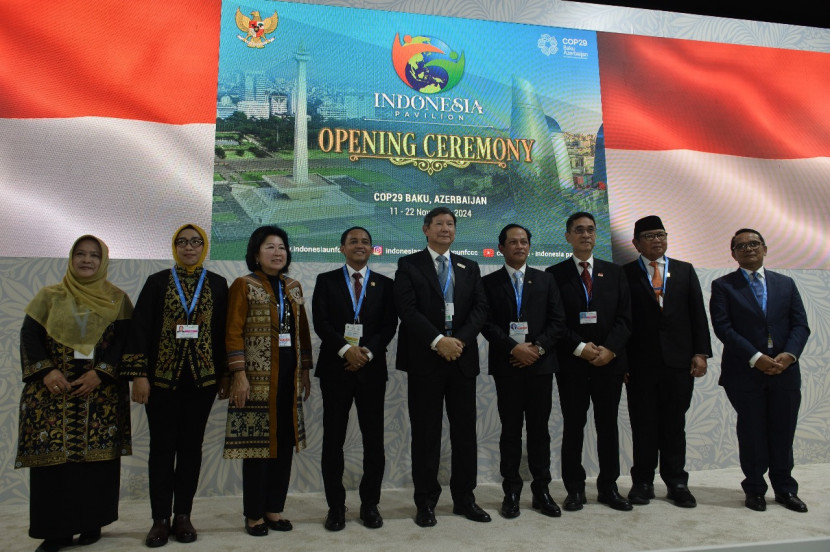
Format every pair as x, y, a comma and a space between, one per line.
346, 233
745, 231
439, 211
503, 233
578, 215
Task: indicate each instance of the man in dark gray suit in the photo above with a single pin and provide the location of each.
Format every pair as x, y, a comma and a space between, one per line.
592, 361
526, 320
667, 350
442, 306
760, 318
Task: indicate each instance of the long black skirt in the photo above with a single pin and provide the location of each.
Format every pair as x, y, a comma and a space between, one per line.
73, 498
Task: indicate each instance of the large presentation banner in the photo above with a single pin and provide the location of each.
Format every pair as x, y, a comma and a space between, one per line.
332, 117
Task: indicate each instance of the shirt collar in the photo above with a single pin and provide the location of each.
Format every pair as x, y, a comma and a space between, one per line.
362, 271
590, 262
511, 270
760, 273
435, 255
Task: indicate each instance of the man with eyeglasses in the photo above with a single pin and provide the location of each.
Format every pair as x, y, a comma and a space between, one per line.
669, 345
592, 361
760, 318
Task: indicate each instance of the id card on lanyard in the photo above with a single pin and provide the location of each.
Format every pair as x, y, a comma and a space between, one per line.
353, 332
449, 308
285, 335
188, 331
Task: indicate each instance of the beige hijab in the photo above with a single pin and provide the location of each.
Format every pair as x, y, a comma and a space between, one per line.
76, 312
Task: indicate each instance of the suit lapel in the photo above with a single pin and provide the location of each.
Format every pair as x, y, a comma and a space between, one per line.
746, 292
427, 266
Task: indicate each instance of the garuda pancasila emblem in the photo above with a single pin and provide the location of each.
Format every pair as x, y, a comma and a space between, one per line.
255, 28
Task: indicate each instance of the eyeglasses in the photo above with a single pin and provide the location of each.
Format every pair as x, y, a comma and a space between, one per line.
194, 242
651, 236
747, 245
590, 230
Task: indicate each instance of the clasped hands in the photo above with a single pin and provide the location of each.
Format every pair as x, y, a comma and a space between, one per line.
356, 358
597, 355
524, 354
449, 348
774, 366
57, 383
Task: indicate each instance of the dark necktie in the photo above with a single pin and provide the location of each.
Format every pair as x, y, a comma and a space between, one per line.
358, 286
586, 279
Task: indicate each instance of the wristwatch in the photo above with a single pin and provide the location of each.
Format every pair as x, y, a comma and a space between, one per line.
541, 349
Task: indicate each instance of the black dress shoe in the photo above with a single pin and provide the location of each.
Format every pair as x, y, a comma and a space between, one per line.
510, 506
791, 502
546, 505
755, 502
641, 493
183, 528
574, 501
425, 517
471, 511
615, 500
89, 537
159, 533
681, 496
336, 519
370, 516
281, 524
53, 545
258, 530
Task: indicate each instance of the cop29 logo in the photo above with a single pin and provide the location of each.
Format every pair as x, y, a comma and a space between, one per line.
426, 64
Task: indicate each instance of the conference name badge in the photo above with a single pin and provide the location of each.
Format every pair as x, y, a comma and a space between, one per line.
449, 311
187, 331
285, 340
518, 329
353, 333
589, 317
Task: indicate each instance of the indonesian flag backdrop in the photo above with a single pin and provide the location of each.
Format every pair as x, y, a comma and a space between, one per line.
107, 115
713, 138
107, 120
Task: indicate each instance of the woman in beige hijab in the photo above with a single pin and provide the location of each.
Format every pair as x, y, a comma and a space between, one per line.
74, 409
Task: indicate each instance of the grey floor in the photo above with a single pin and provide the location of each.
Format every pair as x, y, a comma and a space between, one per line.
720, 522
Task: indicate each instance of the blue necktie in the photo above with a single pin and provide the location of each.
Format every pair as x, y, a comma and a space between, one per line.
443, 274
758, 290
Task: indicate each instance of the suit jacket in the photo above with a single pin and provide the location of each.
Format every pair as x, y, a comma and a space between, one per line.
743, 327
420, 303
671, 336
541, 309
332, 309
611, 299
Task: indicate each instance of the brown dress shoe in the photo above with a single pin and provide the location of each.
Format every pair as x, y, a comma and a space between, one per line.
158, 534
184, 530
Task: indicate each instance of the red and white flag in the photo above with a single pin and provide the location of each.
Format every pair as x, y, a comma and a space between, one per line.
715, 137
107, 123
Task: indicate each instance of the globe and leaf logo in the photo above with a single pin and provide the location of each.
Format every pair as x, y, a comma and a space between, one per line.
426, 64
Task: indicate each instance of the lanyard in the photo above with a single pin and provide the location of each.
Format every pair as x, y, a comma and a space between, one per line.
665, 273
282, 302
518, 295
182, 298
356, 303
449, 278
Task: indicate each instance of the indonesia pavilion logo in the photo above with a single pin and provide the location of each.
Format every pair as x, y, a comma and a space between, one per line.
426, 64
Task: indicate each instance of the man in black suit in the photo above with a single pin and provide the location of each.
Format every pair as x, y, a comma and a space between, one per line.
526, 319
354, 315
667, 350
442, 306
760, 318
592, 361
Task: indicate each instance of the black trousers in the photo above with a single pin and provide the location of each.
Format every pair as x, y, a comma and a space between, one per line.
524, 398
426, 397
658, 400
767, 417
368, 397
265, 480
177, 421
577, 391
